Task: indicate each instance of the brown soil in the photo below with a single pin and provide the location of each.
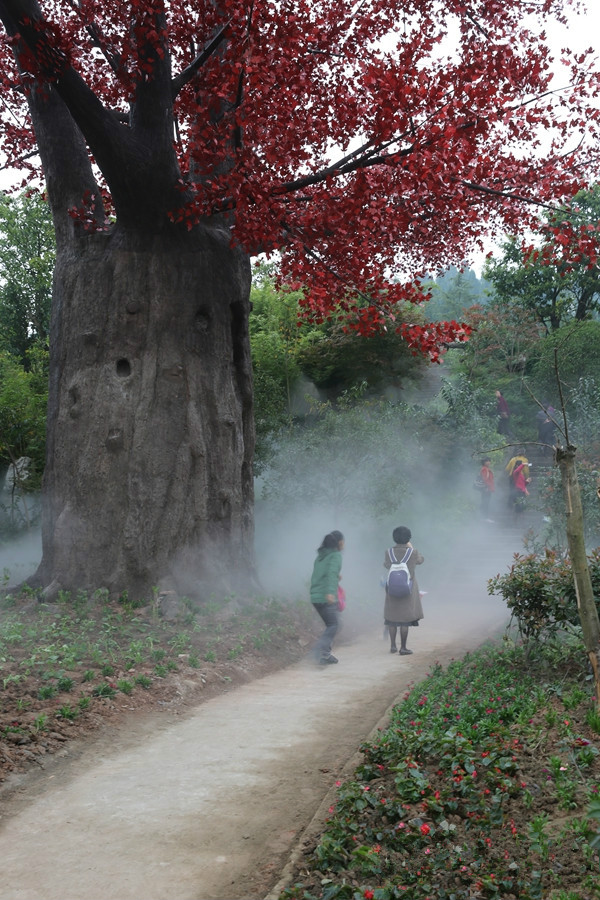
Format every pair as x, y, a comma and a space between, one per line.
32, 726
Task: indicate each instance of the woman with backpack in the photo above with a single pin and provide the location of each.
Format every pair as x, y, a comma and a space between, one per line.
324, 592
403, 607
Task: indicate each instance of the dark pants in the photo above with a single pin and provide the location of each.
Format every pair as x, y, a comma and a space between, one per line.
328, 612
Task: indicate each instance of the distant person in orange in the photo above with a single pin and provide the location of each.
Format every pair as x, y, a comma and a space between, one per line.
487, 477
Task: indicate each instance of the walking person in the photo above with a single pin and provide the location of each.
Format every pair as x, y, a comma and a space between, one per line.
511, 465
520, 477
324, 592
487, 477
402, 612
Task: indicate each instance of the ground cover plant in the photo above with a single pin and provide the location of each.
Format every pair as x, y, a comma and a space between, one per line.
485, 784
67, 668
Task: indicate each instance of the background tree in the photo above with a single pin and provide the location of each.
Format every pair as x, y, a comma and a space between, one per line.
209, 123
336, 359
343, 460
453, 293
579, 343
555, 289
503, 342
23, 399
27, 256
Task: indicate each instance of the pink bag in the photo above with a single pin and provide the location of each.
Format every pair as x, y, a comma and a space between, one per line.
341, 598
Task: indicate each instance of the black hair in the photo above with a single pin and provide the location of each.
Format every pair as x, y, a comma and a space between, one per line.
484, 460
401, 534
331, 541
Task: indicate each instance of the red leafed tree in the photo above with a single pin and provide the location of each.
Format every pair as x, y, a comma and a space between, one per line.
366, 140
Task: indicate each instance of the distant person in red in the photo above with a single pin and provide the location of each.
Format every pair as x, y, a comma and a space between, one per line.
520, 482
487, 476
503, 413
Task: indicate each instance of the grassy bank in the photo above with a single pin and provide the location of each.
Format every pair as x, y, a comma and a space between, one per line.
69, 667
486, 784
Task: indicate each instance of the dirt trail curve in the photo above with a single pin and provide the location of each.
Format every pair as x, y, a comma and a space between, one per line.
212, 804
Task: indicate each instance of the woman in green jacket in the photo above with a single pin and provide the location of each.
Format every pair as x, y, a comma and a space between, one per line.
323, 592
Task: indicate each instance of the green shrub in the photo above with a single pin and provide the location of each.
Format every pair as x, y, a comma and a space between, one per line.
540, 592
104, 690
578, 347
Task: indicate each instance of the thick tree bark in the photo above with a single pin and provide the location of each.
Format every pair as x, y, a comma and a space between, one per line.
148, 478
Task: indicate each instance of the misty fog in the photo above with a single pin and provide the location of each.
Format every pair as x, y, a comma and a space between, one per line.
371, 476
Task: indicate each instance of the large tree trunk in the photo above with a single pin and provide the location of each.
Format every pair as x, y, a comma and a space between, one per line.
148, 477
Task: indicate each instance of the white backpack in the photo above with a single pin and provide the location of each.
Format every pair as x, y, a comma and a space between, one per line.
399, 582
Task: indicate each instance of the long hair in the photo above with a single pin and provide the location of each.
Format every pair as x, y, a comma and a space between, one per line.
331, 541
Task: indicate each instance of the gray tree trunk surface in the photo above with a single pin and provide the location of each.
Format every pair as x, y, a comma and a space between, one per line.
148, 479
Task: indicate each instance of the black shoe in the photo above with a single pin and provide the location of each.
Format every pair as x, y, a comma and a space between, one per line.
393, 649
405, 652
327, 660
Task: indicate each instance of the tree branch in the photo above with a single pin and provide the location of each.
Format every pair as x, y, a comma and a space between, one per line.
98, 40
188, 73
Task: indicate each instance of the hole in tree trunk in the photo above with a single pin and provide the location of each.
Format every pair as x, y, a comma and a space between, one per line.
123, 368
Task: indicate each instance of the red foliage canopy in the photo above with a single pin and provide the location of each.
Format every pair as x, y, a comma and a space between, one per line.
368, 140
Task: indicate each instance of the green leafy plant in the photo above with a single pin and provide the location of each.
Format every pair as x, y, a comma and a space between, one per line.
540, 593
104, 690
46, 692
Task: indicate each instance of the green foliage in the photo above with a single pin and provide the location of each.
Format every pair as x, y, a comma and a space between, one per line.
470, 411
23, 401
27, 254
583, 405
337, 360
556, 293
520, 282
288, 353
273, 341
503, 342
552, 504
345, 458
104, 690
578, 346
540, 592
452, 294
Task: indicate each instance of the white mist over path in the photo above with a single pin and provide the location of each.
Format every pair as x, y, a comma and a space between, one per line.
211, 804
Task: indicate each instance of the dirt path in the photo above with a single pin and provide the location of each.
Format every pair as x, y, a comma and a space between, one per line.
211, 804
